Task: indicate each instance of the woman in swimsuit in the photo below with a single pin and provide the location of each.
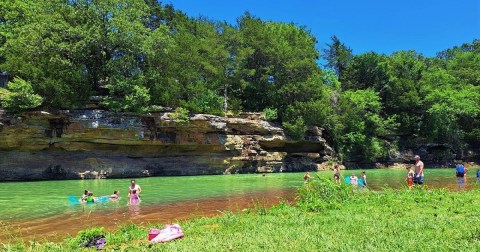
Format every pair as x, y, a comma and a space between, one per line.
134, 186
134, 199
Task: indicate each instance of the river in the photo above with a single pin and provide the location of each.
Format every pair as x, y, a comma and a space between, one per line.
41, 210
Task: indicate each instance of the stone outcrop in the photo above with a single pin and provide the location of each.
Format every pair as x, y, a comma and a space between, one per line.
100, 144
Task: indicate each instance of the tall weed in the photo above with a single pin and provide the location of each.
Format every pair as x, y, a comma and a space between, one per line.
321, 194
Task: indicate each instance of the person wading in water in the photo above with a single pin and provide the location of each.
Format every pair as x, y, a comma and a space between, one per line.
418, 178
134, 187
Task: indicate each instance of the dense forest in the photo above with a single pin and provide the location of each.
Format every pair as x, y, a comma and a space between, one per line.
141, 55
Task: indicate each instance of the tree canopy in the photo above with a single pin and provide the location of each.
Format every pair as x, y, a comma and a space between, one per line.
141, 54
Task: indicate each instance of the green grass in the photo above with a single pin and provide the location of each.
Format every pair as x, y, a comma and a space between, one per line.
327, 217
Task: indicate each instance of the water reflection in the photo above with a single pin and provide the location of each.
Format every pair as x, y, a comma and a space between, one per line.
134, 209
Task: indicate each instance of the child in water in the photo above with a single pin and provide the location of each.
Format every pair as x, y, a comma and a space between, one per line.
84, 196
410, 175
114, 196
364, 178
336, 174
306, 177
90, 198
134, 199
353, 180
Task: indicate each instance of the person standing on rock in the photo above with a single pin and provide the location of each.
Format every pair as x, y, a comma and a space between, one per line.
418, 178
134, 187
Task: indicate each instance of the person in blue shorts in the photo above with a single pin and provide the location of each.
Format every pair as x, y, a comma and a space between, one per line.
418, 178
364, 178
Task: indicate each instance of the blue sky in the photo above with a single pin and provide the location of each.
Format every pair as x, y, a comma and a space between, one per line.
383, 26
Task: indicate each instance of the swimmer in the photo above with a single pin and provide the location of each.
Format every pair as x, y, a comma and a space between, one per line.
114, 196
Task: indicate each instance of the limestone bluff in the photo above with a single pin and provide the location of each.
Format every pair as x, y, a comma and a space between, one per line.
96, 143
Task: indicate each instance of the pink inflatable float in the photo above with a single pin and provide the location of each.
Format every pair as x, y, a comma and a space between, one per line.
168, 233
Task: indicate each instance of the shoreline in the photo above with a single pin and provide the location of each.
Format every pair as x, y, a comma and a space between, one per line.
366, 221
49, 227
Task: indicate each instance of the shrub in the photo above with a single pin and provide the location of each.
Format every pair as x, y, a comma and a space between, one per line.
127, 95
21, 96
3, 93
181, 115
205, 101
235, 106
88, 235
295, 130
321, 193
271, 114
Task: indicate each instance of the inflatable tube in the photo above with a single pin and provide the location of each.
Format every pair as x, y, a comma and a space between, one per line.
103, 199
73, 200
361, 182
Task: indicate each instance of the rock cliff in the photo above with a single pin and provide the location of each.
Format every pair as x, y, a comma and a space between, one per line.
96, 143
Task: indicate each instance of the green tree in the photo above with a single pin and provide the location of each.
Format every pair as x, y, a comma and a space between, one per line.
362, 130
282, 55
20, 97
43, 46
401, 95
368, 70
338, 56
451, 107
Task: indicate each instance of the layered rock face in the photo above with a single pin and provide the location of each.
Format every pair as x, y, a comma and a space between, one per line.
95, 143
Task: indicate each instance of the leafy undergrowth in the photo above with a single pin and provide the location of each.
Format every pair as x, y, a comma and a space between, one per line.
327, 217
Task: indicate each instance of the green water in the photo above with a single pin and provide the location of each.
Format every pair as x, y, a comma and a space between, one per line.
46, 198
29, 200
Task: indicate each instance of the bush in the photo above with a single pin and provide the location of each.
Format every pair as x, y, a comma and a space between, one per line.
127, 95
3, 93
88, 235
205, 101
235, 106
295, 130
321, 193
20, 96
181, 115
271, 114
473, 136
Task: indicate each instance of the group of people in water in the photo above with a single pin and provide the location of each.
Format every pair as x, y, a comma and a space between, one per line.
88, 196
134, 191
414, 176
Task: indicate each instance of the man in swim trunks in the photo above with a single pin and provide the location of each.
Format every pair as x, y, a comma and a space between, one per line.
134, 186
418, 178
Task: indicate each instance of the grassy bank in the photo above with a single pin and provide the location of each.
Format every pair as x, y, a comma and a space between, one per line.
327, 217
